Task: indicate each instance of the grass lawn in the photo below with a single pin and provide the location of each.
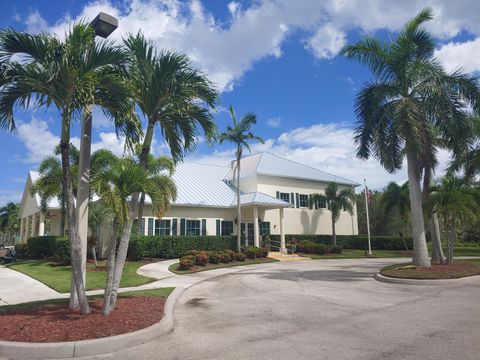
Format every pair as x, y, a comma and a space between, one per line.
458, 269
174, 267
356, 254
162, 292
58, 276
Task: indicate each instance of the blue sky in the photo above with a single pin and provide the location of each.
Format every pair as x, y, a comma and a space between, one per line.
278, 59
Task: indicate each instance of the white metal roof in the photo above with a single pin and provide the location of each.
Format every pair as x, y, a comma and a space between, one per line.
259, 198
272, 165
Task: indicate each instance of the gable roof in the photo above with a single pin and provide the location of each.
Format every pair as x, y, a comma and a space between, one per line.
266, 163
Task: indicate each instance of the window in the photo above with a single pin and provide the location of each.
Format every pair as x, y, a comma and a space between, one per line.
162, 227
285, 197
264, 228
303, 200
193, 227
322, 204
142, 229
227, 228
150, 226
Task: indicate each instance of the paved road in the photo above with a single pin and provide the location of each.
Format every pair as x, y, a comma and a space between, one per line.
319, 310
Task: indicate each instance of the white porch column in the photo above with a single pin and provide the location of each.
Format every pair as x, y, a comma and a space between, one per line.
41, 225
22, 225
32, 229
27, 228
256, 237
282, 233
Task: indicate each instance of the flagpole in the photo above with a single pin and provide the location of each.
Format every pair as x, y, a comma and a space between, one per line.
368, 219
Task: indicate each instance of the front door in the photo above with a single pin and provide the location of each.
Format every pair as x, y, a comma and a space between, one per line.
247, 236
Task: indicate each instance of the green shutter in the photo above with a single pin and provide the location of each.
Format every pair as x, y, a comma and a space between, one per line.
296, 200
278, 194
219, 228
182, 227
292, 199
204, 227
174, 227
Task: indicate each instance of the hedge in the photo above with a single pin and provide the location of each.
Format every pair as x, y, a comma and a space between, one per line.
175, 246
46, 246
354, 241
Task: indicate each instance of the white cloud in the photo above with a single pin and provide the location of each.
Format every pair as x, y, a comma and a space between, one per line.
274, 122
327, 147
35, 23
227, 50
40, 141
455, 55
327, 42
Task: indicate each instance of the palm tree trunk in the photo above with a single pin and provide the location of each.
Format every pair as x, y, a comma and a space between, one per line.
94, 254
451, 242
106, 309
334, 233
239, 209
420, 251
83, 191
121, 258
437, 250
75, 245
140, 212
63, 215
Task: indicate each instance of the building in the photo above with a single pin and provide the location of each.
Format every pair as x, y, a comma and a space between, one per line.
274, 196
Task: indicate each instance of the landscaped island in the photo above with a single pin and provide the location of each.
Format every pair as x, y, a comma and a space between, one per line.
461, 268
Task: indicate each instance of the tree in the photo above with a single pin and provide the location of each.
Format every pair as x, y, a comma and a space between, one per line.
457, 203
336, 202
70, 74
172, 95
240, 134
50, 185
115, 185
8, 218
395, 198
98, 214
411, 101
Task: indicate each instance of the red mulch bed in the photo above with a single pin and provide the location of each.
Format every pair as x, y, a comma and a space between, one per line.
436, 271
55, 323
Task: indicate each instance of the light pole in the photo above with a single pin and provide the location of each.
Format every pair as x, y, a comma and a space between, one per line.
104, 25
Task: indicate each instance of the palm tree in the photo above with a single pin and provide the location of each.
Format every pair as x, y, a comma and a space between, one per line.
154, 166
411, 101
172, 94
239, 135
397, 197
98, 214
457, 202
71, 74
8, 218
469, 161
49, 185
336, 202
114, 185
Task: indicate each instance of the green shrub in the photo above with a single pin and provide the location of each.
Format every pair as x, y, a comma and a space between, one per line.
359, 242
40, 246
253, 252
60, 248
215, 257
201, 258
239, 256
225, 258
186, 262
230, 254
174, 246
335, 250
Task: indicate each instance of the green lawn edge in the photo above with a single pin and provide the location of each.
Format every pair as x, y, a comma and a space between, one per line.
174, 267
58, 277
160, 292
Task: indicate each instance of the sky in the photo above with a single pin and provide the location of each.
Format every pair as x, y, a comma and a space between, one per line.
277, 58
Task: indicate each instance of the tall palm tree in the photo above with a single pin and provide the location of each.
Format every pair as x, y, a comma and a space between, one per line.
240, 134
50, 183
115, 185
457, 202
410, 102
469, 160
70, 74
336, 202
154, 166
8, 218
172, 95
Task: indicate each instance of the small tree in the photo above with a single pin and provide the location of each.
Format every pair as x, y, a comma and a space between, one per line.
457, 203
239, 134
336, 202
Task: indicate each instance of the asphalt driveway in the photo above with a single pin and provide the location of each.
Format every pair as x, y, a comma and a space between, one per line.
330, 309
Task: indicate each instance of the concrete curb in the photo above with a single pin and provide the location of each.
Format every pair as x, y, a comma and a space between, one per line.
72, 349
459, 281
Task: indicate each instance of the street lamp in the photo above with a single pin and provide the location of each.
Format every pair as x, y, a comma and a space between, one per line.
104, 25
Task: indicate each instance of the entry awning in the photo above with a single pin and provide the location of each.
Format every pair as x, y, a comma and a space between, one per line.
260, 199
